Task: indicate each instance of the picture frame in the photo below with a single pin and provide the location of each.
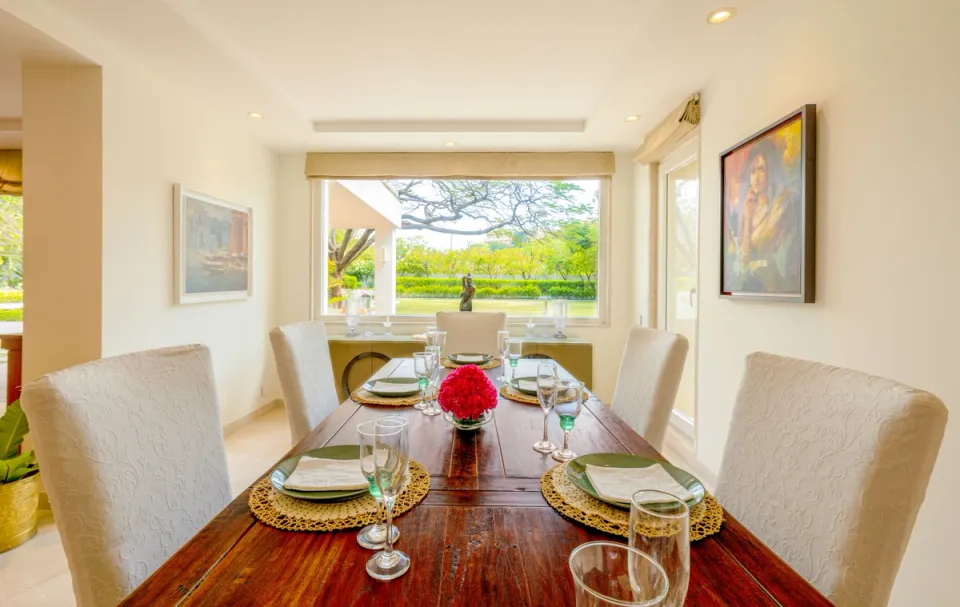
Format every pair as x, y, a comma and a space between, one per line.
768, 212
213, 248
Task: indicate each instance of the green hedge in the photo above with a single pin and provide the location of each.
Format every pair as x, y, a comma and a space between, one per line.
11, 296
487, 288
14, 315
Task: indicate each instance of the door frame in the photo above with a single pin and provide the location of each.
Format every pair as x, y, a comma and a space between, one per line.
682, 156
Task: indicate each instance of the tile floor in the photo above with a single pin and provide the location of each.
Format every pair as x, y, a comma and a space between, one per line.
36, 573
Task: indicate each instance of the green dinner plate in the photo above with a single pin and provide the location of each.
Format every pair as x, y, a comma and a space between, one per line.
577, 473
455, 358
411, 383
515, 384
282, 472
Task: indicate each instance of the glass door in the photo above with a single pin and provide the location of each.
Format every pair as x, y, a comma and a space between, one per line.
680, 213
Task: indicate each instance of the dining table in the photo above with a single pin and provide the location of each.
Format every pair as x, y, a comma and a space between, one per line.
483, 535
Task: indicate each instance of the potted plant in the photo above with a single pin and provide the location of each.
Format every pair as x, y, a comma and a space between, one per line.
19, 481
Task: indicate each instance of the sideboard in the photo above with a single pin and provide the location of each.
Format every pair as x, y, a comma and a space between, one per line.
355, 359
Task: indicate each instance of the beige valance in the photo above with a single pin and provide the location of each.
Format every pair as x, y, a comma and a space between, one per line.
464, 165
11, 172
670, 134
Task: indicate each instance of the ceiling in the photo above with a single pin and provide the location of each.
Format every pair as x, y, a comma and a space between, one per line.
18, 43
299, 61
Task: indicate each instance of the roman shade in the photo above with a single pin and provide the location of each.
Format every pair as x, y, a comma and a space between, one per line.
11, 172
671, 133
459, 165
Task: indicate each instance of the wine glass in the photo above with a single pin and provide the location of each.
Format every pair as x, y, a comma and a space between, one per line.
610, 574
437, 338
391, 456
421, 369
514, 348
569, 405
660, 527
547, 395
530, 327
386, 326
432, 409
502, 337
372, 537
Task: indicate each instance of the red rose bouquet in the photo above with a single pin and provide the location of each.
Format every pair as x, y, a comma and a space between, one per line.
467, 393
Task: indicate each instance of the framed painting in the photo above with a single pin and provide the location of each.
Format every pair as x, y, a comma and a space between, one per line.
769, 212
212, 248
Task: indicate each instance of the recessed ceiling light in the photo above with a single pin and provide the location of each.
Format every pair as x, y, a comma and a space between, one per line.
632, 118
255, 115
721, 14
450, 144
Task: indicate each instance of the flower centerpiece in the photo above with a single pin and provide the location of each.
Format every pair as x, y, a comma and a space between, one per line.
467, 396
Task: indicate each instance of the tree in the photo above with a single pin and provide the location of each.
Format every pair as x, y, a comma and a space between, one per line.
11, 241
343, 248
475, 207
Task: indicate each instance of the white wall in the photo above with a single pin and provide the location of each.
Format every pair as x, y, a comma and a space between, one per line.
886, 80
607, 341
151, 140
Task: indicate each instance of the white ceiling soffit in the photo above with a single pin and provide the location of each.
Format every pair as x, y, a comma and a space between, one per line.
449, 126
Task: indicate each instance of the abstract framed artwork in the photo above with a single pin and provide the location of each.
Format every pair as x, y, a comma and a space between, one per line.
768, 212
212, 248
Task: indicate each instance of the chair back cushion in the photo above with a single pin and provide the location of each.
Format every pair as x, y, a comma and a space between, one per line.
650, 373
306, 375
132, 457
471, 331
828, 467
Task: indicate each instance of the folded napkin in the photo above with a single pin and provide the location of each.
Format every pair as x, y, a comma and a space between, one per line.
526, 384
315, 474
389, 386
470, 358
619, 484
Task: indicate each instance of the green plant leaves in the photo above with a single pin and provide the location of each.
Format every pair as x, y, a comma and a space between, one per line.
15, 468
13, 427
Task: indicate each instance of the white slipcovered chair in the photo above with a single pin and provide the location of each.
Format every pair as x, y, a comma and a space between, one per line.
471, 331
306, 375
828, 467
132, 457
650, 373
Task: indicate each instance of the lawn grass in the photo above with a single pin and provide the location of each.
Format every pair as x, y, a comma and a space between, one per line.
513, 307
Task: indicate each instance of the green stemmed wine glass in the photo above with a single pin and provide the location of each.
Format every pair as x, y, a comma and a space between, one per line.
568, 408
421, 369
514, 348
373, 537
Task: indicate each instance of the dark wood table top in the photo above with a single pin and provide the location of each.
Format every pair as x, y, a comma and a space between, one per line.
484, 535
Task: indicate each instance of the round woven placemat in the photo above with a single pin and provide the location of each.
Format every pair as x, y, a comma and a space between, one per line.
291, 514
368, 398
567, 499
493, 364
511, 393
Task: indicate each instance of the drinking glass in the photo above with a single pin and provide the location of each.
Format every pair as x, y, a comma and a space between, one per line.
664, 520
547, 395
432, 408
391, 455
514, 348
569, 405
421, 369
608, 574
502, 337
437, 338
373, 536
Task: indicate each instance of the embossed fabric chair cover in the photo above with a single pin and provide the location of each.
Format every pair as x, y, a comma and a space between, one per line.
471, 331
650, 373
306, 375
132, 457
828, 467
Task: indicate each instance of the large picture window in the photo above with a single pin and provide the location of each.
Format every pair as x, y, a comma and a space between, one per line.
404, 246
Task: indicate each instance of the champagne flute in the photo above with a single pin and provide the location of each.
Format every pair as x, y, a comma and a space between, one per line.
502, 337
421, 369
514, 348
372, 537
391, 456
547, 395
568, 408
432, 409
660, 527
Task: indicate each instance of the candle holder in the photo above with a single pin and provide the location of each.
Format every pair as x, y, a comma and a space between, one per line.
560, 317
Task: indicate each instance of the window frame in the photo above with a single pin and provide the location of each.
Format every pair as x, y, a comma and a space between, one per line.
415, 321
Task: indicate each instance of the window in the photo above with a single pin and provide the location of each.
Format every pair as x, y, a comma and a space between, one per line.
404, 246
